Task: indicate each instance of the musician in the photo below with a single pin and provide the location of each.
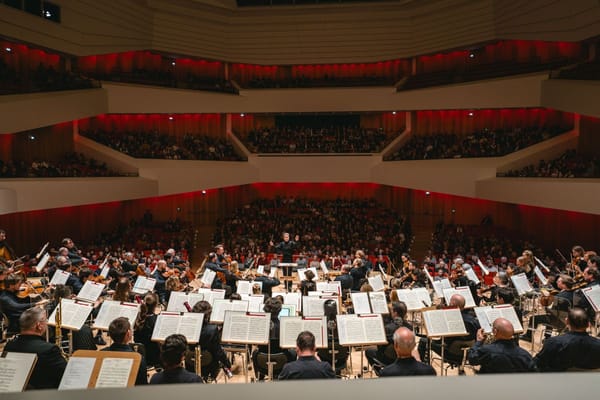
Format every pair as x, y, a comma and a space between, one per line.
502, 356
213, 264
500, 281
286, 248
366, 262
307, 366
123, 290
381, 264
578, 262
574, 349
563, 301
121, 334
267, 283
64, 263
345, 279
129, 265
405, 364
307, 285
358, 273
11, 305
160, 275
172, 354
73, 253
210, 340
7, 254
144, 326
591, 276
220, 252
397, 320
471, 325
50, 365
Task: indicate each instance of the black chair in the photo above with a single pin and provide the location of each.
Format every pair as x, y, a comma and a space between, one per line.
389, 353
341, 356
206, 360
262, 366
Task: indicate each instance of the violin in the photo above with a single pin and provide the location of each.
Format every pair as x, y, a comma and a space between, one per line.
29, 289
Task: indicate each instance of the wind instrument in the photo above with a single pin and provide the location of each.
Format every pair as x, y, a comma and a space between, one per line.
58, 330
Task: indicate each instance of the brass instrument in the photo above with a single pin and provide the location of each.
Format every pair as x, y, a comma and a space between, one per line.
198, 360
58, 329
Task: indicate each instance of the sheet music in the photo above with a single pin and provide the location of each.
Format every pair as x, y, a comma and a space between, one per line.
302, 276
542, 264
376, 283
42, 263
540, 276
111, 310
360, 329
378, 303
90, 291
190, 326
484, 269
14, 371
60, 277
260, 269
521, 284
290, 327
177, 300
464, 291
481, 314
360, 302
423, 296
329, 287
255, 302
383, 274
247, 328
143, 284
104, 271
166, 324
592, 293
222, 305
294, 298
444, 322
208, 277
470, 273
429, 276
439, 286
505, 311
312, 306
410, 298
78, 373
114, 372
324, 267
74, 314
245, 287
207, 294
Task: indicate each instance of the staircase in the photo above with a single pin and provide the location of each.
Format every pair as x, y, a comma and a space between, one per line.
421, 241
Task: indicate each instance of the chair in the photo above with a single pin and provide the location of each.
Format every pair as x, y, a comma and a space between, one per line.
455, 355
341, 356
206, 359
262, 366
389, 353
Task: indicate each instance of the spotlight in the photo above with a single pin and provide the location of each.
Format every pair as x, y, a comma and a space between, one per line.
171, 118
393, 112
453, 211
8, 49
471, 113
203, 192
427, 193
31, 137
242, 115
173, 63
471, 55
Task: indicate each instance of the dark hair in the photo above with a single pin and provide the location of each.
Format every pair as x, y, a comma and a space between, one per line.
578, 319
305, 341
235, 296
595, 260
309, 275
506, 294
84, 273
203, 307
567, 281
173, 350
61, 292
147, 308
272, 306
118, 329
399, 307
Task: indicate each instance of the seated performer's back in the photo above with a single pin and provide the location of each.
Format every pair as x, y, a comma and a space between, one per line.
575, 349
307, 366
406, 364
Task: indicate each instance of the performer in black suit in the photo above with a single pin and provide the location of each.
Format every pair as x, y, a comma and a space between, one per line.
210, 340
358, 273
574, 349
121, 333
405, 364
286, 248
172, 354
213, 264
398, 312
267, 283
144, 326
502, 356
7, 254
10, 304
307, 366
51, 364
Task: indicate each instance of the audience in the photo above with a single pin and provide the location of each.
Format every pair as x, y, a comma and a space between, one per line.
486, 143
71, 165
298, 139
163, 146
568, 165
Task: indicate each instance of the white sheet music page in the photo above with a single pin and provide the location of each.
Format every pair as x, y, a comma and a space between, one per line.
410, 298
166, 324
360, 302
521, 284
114, 372
74, 314
506, 311
110, 310
329, 287
42, 263
294, 298
143, 284
14, 371
464, 291
208, 277
376, 283
190, 326
90, 291
470, 273
60, 277
222, 305
291, 327
423, 296
592, 293
378, 303
444, 322
482, 317
78, 373
540, 276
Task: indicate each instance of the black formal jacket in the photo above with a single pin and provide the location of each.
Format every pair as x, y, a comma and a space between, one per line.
177, 375
407, 367
50, 365
571, 350
502, 356
307, 367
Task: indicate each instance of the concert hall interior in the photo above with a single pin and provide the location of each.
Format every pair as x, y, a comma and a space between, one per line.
186, 166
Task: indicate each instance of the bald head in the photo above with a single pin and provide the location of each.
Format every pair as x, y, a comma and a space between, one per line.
457, 301
404, 342
503, 329
577, 320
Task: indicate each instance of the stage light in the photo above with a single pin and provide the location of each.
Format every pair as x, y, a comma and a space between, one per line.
427, 193
393, 112
471, 113
203, 192
171, 118
242, 115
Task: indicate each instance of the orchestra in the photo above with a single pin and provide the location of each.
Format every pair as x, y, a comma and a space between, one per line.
556, 301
